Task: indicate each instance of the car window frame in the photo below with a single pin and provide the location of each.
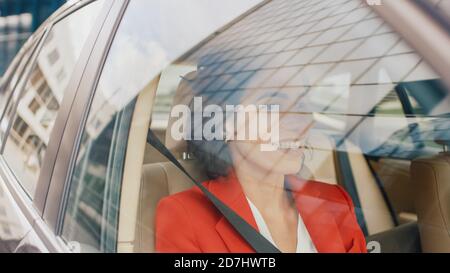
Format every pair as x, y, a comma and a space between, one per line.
43, 182
59, 192
412, 19
84, 89
60, 180
44, 199
19, 89
7, 176
34, 209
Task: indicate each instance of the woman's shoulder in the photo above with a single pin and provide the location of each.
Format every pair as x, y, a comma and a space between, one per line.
189, 199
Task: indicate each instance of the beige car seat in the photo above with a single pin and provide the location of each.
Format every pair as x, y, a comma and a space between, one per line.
376, 212
163, 179
431, 179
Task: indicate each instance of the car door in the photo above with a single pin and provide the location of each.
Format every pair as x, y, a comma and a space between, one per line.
107, 181
14, 225
35, 117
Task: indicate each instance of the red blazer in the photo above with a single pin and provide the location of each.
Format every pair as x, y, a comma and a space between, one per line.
188, 222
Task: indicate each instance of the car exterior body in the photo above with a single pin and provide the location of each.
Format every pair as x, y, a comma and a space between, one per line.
35, 210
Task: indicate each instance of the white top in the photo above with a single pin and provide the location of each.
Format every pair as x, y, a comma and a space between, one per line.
304, 242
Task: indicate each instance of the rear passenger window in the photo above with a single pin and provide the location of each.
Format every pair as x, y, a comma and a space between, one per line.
358, 108
119, 117
31, 120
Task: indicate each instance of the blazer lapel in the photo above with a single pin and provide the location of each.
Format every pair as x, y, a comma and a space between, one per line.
317, 216
316, 213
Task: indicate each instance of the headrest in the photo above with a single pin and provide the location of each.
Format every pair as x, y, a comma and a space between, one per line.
183, 96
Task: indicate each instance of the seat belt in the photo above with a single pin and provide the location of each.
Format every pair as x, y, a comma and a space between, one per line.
258, 242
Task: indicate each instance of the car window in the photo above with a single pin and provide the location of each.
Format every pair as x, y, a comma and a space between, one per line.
10, 84
339, 99
32, 118
91, 215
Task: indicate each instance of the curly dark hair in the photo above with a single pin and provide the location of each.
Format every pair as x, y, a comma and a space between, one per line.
214, 155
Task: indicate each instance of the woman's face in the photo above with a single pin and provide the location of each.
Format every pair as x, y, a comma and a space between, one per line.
293, 127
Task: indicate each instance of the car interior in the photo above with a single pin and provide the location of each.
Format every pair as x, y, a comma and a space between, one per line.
403, 205
400, 188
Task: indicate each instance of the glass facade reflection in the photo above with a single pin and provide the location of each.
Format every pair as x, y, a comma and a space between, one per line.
18, 19
368, 105
31, 125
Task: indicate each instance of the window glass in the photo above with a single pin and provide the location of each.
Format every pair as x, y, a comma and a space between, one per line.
351, 105
91, 216
38, 105
10, 84
5, 82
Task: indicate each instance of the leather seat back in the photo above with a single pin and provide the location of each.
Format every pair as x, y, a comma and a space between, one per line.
376, 212
431, 180
161, 179
158, 181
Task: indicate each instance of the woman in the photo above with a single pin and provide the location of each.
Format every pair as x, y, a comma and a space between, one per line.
261, 186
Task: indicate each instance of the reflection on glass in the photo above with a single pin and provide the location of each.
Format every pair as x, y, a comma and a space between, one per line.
93, 204
362, 115
11, 85
92, 208
374, 103
41, 99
